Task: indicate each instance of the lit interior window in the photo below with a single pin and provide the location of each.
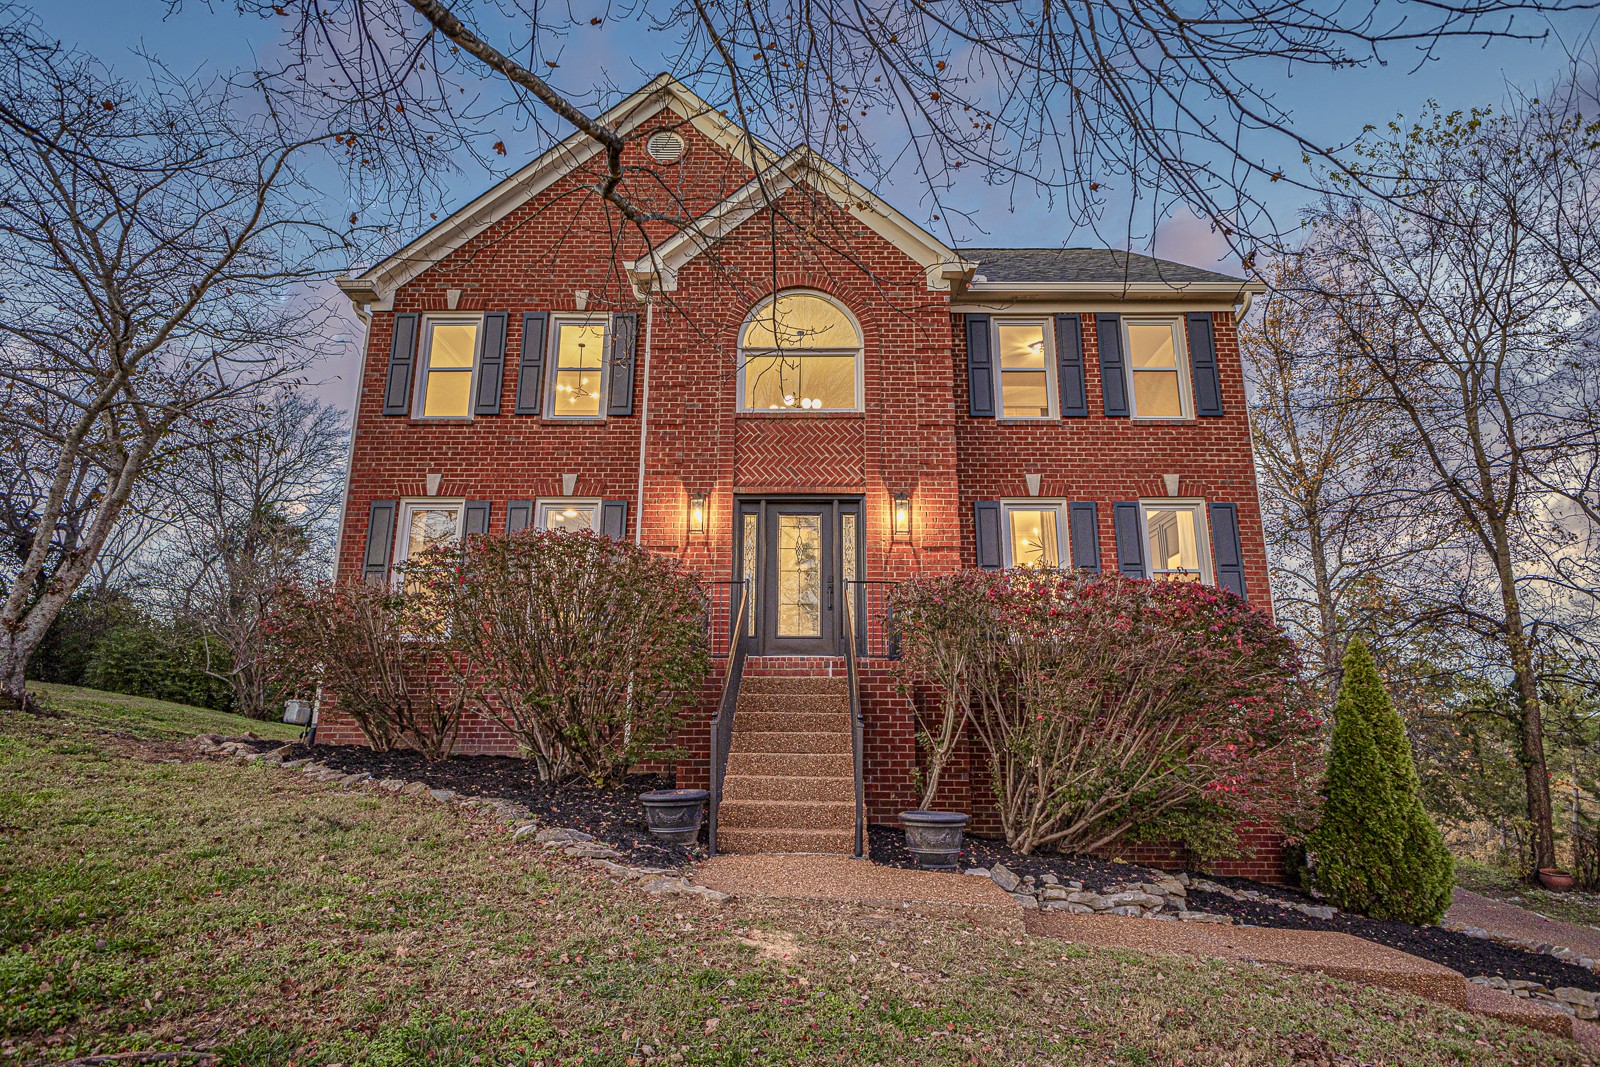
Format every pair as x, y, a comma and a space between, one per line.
1034, 542
1024, 380
1153, 357
800, 353
568, 518
580, 359
425, 527
447, 374
1174, 543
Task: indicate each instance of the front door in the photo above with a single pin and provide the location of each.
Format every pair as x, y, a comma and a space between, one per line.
798, 552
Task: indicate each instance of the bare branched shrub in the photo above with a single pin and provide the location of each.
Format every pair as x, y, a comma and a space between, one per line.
1116, 709
584, 648
357, 641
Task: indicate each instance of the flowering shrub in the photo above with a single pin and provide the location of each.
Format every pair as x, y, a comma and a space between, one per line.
1112, 708
583, 647
354, 639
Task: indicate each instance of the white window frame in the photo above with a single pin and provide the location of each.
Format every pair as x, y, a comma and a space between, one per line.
1052, 388
1063, 538
1202, 534
425, 354
1180, 350
859, 352
402, 534
543, 507
552, 362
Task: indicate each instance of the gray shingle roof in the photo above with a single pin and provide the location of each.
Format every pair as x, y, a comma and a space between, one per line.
1082, 265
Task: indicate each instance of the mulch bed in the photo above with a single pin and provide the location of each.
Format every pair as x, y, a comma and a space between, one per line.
614, 815
1472, 956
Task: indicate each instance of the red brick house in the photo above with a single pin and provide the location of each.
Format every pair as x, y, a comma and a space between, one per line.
805, 390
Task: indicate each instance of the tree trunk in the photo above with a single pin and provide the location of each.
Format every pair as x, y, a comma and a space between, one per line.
1530, 737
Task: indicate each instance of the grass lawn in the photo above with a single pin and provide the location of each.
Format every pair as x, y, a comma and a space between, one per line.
1571, 906
152, 904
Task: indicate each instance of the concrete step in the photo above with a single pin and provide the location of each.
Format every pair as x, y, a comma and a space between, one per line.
792, 764
819, 684
836, 703
801, 722
786, 815
743, 787
771, 741
835, 842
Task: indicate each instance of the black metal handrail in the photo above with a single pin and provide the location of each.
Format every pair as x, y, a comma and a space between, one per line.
722, 722
857, 726
871, 598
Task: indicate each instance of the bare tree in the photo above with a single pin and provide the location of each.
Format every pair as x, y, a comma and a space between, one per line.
1330, 457
252, 513
149, 234
1457, 291
1083, 103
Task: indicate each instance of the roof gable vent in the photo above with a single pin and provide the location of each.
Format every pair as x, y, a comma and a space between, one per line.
665, 146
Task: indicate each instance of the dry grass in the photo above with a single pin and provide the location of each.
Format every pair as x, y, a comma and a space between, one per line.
269, 920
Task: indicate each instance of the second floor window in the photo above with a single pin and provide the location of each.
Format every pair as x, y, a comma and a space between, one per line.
800, 352
1025, 368
449, 357
577, 361
1156, 361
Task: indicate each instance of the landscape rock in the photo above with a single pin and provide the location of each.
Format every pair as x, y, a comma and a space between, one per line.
1002, 877
561, 835
1027, 900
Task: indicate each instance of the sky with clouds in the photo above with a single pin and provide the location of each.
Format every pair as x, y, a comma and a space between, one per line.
1329, 106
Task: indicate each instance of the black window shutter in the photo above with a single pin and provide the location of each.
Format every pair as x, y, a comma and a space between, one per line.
402, 362
1130, 538
380, 540
614, 519
980, 368
1083, 524
1203, 364
476, 519
491, 364
1113, 367
1225, 548
530, 367
1069, 367
519, 516
986, 515
624, 347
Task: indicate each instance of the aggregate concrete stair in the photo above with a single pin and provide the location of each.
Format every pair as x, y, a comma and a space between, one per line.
790, 785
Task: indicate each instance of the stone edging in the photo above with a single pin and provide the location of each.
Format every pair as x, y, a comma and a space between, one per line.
1543, 948
663, 881
1165, 898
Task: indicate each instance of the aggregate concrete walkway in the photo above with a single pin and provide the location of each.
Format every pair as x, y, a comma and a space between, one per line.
841, 878
1496, 916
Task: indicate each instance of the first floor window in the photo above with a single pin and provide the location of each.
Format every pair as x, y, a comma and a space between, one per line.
569, 516
1156, 356
1175, 542
577, 383
1033, 537
425, 524
449, 355
1024, 368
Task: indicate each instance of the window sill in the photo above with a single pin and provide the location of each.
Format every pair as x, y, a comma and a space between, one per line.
454, 420
1187, 420
573, 420
1041, 421
792, 414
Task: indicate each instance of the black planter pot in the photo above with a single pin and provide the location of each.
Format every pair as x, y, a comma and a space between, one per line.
674, 814
934, 837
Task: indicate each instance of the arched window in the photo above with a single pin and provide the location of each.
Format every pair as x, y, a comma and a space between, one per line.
800, 351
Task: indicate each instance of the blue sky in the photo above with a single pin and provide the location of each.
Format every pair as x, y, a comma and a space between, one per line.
1330, 106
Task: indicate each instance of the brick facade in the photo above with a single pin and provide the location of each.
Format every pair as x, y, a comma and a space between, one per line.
913, 435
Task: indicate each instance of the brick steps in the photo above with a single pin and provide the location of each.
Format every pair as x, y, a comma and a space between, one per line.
790, 784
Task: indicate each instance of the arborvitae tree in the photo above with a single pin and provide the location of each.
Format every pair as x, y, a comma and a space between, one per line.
1376, 850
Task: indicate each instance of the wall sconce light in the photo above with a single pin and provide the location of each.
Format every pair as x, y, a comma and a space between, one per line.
902, 515
697, 513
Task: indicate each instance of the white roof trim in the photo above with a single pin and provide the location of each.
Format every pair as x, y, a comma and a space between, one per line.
377, 284
1113, 290
939, 261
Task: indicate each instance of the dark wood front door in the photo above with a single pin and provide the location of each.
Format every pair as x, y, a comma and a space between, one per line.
798, 554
